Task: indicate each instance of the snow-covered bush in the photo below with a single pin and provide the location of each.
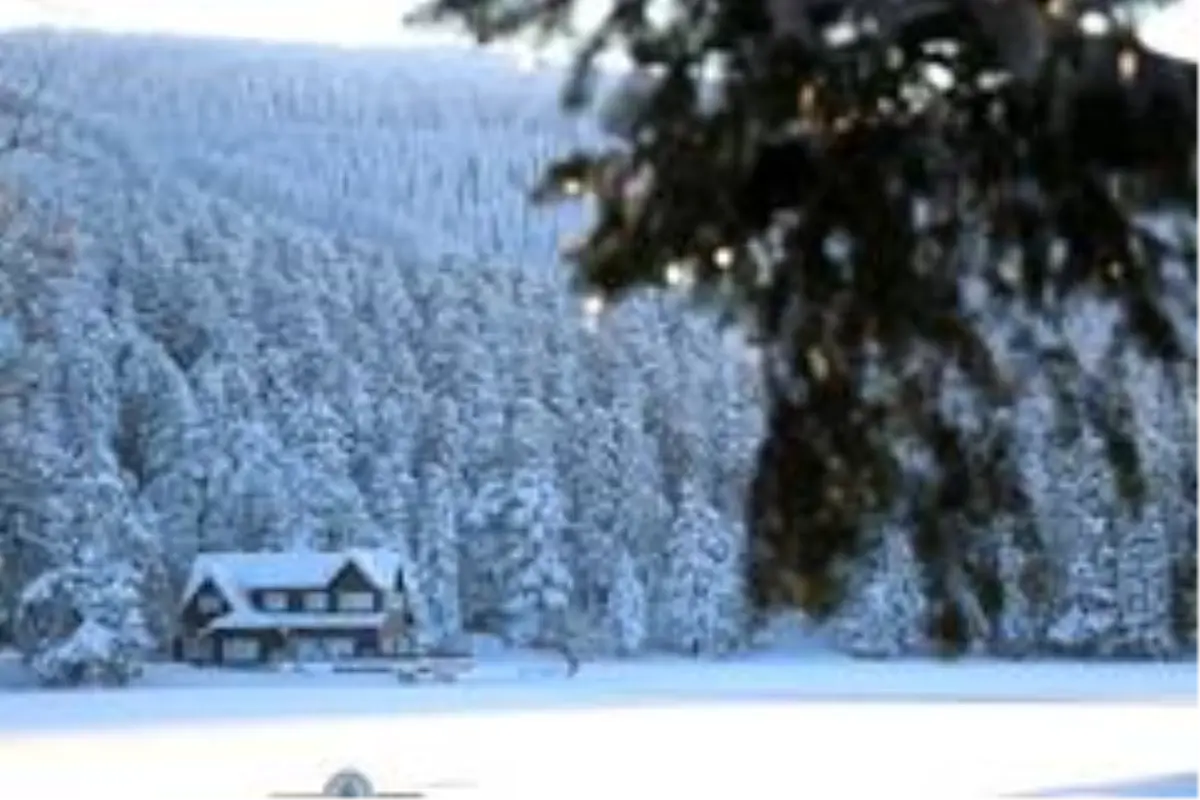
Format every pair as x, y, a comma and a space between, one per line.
92, 655
79, 626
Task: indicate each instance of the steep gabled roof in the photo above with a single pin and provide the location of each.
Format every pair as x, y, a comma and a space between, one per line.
379, 566
237, 574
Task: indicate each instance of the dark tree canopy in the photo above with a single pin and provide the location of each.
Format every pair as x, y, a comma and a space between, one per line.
844, 178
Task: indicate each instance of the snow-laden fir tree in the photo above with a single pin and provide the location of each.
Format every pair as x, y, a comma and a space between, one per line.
732, 406
233, 379
698, 607
436, 586
1144, 571
642, 516
628, 608
1023, 573
677, 410
81, 619
442, 440
1144, 584
82, 624
32, 283
481, 547
482, 419
596, 532
156, 409
1076, 512
393, 497
242, 486
1069, 590
317, 438
536, 582
887, 612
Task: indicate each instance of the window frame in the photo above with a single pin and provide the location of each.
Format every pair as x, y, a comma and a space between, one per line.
355, 608
241, 648
307, 601
208, 602
268, 596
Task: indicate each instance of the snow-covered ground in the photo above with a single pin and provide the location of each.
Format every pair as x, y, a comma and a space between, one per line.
519, 728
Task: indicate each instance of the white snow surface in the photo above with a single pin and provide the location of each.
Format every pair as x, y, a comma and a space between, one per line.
516, 727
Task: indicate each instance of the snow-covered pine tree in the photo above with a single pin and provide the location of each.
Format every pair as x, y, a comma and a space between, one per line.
1025, 549
700, 596
441, 440
1143, 585
241, 491
536, 580
628, 611
319, 449
1026, 591
82, 624
1144, 571
34, 462
155, 409
1087, 619
643, 515
392, 496
481, 404
566, 397
886, 612
678, 414
1081, 524
1070, 493
435, 591
35, 272
233, 381
594, 480
441, 297
81, 619
733, 408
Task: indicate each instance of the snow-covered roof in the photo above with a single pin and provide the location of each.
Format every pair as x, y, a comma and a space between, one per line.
236, 574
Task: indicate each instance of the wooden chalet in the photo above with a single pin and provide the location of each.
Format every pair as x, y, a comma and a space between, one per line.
253, 608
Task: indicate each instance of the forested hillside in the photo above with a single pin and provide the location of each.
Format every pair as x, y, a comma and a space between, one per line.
265, 297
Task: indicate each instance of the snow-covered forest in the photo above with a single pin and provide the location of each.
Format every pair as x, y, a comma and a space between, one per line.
265, 297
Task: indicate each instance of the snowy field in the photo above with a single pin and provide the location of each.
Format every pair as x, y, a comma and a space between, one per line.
518, 728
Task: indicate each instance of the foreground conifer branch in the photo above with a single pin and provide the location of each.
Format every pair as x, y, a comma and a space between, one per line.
900, 202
